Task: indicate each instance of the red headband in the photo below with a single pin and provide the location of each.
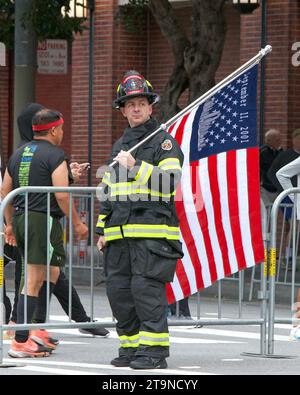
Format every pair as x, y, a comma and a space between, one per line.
47, 126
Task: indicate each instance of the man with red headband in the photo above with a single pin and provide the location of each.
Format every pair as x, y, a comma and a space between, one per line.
138, 228
39, 163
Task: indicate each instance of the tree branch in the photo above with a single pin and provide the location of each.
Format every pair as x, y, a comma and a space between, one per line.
203, 58
169, 25
175, 35
197, 60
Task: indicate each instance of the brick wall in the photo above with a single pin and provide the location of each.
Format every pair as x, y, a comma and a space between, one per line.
149, 53
161, 59
102, 98
277, 70
130, 53
51, 91
54, 91
116, 51
294, 72
281, 78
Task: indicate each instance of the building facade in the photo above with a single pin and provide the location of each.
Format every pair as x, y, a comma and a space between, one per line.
116, 51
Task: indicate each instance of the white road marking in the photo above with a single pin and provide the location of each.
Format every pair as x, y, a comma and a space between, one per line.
228, 333
174, 340
67, 372
76, 333
61, 343
189, 367
232, 360
190, 340
284, 326
64, 318
99, 366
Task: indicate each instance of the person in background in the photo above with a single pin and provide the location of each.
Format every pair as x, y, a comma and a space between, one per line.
285, 176
40, 162
282, 159
268, 153
184, 310
61, 289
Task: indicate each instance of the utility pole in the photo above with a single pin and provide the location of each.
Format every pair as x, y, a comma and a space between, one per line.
91, 6
263, 71
25, 63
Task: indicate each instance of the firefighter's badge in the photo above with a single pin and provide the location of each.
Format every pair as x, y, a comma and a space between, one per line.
167, 145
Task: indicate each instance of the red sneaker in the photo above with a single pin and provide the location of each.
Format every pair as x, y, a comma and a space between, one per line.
43, 338
29, 349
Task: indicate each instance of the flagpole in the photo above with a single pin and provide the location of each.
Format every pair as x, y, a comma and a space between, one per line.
255, 60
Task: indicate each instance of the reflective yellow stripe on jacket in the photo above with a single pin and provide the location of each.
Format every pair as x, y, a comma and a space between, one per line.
106, 179
133, 188
100, 223
114, 233
142, 231
170, 164
144, 173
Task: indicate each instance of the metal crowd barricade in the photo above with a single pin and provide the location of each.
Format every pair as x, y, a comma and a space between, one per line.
284, 242
261, 321
47, 325
275, 263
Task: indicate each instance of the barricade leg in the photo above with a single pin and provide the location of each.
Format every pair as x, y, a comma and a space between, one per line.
2, 308
262, 296
272, 275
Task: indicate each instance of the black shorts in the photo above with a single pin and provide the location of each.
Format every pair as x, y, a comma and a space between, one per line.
37, 239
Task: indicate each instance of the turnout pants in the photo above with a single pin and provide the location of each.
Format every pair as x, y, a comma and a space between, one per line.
137, 271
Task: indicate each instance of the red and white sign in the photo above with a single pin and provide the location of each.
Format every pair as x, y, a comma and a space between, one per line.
52, 57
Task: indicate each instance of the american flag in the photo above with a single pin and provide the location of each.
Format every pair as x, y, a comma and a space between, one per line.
218, 201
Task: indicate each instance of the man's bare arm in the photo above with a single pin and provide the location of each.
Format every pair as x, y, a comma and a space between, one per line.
60, 179
7, 187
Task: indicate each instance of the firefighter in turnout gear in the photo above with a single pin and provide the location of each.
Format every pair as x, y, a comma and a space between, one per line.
139, 229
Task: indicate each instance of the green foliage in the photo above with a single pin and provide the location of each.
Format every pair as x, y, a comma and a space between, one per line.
133, 15
7, 22
45, 17
49, 23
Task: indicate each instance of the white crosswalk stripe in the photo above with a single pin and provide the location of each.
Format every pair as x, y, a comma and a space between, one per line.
72, 339
62, 371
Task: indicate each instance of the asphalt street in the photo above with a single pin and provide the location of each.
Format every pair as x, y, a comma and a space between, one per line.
216, 350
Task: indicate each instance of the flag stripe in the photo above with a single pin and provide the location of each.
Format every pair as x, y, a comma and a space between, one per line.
170, 293
243, 197
209, 265
254, 203
183, 279
187, 269
208, 199
178, 133
234, 209
224, 197
216, 199
186, 209
177, 290
192, 267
